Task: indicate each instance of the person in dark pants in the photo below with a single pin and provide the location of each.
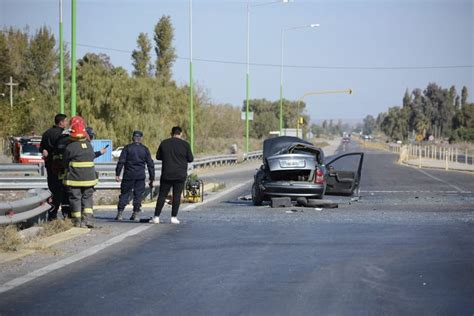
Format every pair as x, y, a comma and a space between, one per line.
47, 148
175, 153
133, 159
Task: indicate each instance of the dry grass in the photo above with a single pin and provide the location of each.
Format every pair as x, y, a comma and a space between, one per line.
10, 239
373, 145
55, 227
321, 144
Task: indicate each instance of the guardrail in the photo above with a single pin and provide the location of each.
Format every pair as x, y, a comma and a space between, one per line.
22, 168
106, 180
35, 206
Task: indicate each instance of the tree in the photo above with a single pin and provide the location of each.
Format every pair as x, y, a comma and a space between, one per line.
141, 57
17, 42
316, 130
5, 71
325, 125
165, 52
42, 59
369, 125
464, 95
407, 102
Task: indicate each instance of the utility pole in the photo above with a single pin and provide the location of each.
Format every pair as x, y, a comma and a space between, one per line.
191, 93
61, 59
11, 84
73, 58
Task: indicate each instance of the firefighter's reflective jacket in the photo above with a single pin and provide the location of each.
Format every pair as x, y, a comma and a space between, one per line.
78, 160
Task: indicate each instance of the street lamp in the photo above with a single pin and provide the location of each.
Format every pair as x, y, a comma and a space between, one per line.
247, 79
312, 25
348, 91
191, 93
61, 59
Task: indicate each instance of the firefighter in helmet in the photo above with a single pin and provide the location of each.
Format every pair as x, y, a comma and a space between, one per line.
80, 177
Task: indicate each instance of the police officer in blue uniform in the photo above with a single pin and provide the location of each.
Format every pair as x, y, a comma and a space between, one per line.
133, 159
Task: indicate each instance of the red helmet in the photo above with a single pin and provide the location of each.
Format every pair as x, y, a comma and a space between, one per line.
78, 129
76, 119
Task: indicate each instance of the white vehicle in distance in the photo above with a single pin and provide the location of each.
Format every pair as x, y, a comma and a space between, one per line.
117, 151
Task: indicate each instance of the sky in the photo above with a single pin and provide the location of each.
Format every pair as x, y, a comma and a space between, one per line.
377, 48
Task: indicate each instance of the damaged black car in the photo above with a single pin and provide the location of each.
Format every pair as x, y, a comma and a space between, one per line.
295, 168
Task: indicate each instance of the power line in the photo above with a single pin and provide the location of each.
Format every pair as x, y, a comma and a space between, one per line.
233, 62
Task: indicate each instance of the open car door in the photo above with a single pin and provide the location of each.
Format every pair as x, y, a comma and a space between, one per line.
344, 174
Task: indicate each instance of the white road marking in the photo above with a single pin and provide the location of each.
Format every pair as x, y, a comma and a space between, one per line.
411, 191
441, 180
193, 206
62, 263
91, 251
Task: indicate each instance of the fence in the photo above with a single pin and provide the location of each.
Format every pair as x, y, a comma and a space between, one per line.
436, 156
13, 175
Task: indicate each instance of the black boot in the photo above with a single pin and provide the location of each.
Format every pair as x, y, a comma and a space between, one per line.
76, 222
52, 216
119, 216
87, 221
135, 216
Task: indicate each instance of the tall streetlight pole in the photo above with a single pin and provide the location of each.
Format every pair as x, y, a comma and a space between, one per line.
61, 59
281, 65
191, 93
348, 91
73, 58
247, 78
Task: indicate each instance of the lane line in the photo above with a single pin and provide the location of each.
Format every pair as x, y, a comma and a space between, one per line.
441, 180
420, 191
234, 188
62, 263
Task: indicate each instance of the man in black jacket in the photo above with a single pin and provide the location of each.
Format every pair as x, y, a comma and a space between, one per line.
47, 148
175, 153
134, 156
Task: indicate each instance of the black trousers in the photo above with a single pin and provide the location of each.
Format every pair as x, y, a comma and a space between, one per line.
126, 187
165, 187
55, 185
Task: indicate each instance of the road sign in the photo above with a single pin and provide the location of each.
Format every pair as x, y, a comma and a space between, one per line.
242, 116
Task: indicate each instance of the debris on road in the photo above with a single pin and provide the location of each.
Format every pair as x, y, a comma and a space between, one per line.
280, 202
246, 197
294, 211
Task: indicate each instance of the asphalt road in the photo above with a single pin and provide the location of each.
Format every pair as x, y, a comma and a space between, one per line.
406, 247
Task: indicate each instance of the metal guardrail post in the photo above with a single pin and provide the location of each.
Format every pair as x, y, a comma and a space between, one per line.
446, 167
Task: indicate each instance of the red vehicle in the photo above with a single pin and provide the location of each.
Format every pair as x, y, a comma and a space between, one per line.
25, 149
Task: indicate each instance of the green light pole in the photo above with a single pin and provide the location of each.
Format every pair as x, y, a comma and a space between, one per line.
281, 66
247, 77
61, 59
191, 93
73, 58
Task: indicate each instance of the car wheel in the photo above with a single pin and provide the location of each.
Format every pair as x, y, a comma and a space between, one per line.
257, 196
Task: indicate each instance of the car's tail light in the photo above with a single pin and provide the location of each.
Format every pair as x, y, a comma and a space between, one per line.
319, 179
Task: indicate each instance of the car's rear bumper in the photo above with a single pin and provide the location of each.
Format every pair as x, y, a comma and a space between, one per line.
292, 189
